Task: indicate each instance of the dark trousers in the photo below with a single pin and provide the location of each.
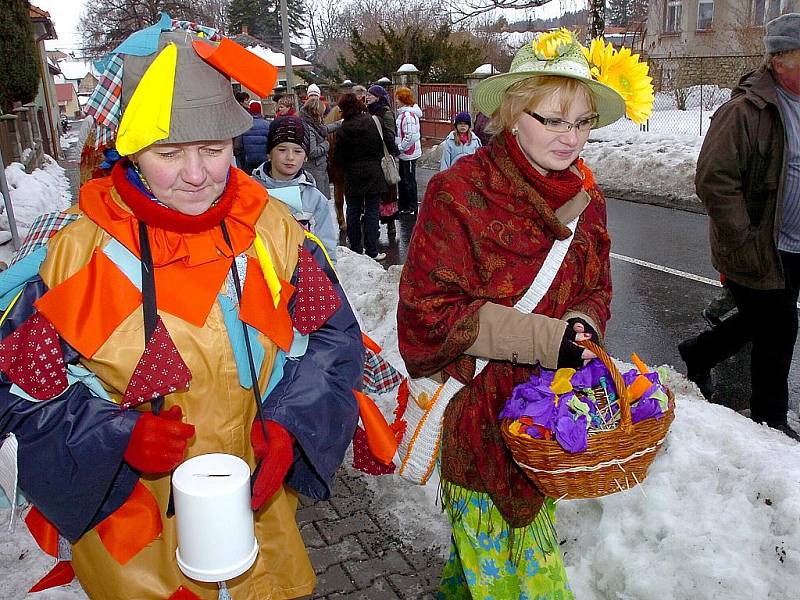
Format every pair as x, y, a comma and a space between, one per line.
712, 346
769, 319
408, 185
366, 204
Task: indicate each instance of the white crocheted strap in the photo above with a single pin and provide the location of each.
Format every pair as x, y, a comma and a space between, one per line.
544, 278
423, 385
601, 465
8, 471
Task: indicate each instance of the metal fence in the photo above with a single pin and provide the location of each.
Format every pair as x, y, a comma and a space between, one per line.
439, 104
688, 91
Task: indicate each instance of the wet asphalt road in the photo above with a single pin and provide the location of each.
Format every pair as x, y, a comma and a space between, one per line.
652, 310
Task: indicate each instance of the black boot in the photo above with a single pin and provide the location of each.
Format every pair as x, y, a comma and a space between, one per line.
696, 371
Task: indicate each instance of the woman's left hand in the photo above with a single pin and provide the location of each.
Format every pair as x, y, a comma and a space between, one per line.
570, 354
581, 326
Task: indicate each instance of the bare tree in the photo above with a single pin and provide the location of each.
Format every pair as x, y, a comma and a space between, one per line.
104, 24
464, 10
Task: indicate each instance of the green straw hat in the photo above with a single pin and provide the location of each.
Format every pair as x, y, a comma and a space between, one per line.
563, 58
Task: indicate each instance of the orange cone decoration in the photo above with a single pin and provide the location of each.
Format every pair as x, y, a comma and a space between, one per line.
43, 531
380, 438
370, 343
240, 64
61, 574
639, 364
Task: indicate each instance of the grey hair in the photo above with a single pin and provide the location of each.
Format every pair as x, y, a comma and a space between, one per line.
770, 56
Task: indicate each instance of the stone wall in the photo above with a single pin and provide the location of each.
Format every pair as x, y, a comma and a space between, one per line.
680, 72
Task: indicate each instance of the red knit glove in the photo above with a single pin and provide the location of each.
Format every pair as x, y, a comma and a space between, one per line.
158, 442
276, 456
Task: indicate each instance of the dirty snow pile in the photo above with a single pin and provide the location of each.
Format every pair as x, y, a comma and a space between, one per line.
32, 194
717, 518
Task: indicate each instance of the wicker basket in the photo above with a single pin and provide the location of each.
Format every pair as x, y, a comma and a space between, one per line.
614, 461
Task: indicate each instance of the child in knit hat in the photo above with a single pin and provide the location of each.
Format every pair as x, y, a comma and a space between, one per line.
462, 141
283, 175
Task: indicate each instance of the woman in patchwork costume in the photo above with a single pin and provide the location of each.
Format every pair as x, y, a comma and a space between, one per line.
178, 248
485, 229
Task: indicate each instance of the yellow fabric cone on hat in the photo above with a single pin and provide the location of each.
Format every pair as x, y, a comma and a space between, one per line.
146, 119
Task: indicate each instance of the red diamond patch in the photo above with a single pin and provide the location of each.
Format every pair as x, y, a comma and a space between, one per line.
160, 371
32, 358
317, 299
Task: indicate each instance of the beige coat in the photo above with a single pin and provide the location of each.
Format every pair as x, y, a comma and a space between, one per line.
222, 412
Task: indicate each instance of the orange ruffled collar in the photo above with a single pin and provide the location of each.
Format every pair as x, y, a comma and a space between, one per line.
174, 236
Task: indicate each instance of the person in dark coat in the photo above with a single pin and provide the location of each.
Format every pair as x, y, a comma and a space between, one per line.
481, 122
254, 140
747, 181
358, 152
243, 98
378, 106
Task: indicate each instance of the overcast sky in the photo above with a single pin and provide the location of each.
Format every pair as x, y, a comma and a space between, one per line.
65, 13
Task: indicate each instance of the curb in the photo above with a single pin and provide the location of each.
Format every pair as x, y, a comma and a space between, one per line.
690, 204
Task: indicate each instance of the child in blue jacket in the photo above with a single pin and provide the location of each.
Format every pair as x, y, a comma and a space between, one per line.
462, 141
283, 169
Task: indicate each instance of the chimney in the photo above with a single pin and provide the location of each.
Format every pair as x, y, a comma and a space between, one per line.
244, 30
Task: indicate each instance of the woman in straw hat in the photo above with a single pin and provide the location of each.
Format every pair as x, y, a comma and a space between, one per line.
169, 305
485, 229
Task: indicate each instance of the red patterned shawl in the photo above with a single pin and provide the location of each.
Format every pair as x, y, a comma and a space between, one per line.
482, 234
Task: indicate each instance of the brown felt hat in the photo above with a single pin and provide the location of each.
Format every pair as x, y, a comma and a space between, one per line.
203, 104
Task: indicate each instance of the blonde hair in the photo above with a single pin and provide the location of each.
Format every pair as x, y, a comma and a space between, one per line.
405, 96
286, 102
529, 94
315, 107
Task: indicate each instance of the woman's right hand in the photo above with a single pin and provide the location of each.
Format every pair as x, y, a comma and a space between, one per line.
158, 442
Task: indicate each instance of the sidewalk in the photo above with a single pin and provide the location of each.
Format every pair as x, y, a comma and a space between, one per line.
357, 552
71, 163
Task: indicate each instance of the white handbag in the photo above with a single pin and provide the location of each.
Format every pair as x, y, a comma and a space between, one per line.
419, 448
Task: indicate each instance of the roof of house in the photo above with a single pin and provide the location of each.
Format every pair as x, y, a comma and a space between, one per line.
65, 92
35, 11
76, 69
245, 39
276, 59
42, 18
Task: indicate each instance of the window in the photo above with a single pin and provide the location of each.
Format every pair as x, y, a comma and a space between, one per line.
764, 11
773, 10
758, 12
672, 22
705, 14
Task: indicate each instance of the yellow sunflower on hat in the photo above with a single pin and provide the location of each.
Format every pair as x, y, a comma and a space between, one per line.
552, 44
622, 71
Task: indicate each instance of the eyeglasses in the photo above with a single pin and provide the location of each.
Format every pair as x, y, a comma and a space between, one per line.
562, 126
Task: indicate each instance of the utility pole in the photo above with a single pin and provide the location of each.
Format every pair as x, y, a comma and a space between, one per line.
12, 222
287, 52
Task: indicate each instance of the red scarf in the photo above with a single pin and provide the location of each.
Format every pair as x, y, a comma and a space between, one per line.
556, 187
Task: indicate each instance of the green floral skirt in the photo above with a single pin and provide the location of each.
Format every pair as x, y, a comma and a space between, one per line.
489, 560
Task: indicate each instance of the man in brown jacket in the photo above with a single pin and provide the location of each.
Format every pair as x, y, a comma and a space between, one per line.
748, 178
